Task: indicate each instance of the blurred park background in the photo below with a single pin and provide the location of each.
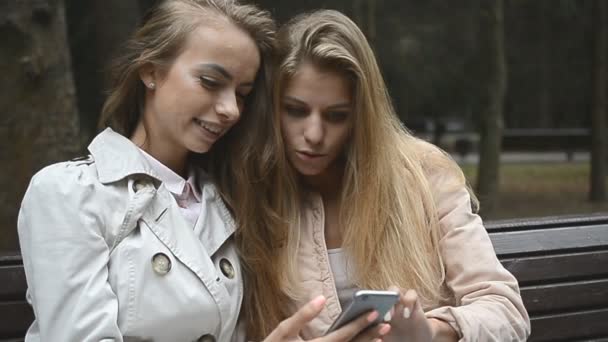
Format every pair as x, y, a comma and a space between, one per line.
515, 90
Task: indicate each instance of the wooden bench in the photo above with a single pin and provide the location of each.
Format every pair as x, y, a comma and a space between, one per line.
567, 140
15, 314
562, 267
560, 262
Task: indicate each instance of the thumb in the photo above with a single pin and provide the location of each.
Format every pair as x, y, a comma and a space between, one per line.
291, 326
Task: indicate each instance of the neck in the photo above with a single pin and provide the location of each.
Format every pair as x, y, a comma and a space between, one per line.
328, 183
164, 153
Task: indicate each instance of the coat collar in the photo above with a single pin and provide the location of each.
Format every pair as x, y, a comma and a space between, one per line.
117, 157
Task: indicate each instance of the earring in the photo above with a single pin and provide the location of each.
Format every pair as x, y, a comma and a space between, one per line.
152, 85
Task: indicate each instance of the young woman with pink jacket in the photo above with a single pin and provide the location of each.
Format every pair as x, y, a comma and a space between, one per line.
348, 199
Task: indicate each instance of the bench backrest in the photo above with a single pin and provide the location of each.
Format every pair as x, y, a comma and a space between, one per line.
561, 264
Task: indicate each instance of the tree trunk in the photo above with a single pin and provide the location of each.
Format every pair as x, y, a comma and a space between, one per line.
371, 22
493, 95
97, 28
544, 61
597, 191
364, 12
39, 124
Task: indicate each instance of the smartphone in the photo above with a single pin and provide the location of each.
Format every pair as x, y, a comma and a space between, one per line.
365, 301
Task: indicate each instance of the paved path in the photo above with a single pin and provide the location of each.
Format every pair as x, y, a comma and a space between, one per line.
528, 157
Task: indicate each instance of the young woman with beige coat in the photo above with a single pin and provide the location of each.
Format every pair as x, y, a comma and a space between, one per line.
349, 200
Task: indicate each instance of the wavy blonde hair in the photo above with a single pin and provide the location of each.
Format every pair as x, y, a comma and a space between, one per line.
390, 225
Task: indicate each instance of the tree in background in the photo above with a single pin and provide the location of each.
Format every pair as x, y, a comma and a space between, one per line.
39, 122
598, 116
96, 30
494, 78
549, 63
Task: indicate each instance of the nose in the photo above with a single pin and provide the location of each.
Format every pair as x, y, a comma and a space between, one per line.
314, 130
227, 107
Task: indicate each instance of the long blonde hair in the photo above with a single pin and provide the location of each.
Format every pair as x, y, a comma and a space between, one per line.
390, 225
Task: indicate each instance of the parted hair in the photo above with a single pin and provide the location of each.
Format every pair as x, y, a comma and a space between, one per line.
161, 38
158, 41
390, 227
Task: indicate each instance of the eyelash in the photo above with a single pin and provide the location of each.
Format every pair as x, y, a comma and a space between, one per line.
209, 82
212, 84
295, 112
334, 117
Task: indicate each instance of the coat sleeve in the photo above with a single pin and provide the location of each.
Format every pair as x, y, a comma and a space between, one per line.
488, 304
65, 257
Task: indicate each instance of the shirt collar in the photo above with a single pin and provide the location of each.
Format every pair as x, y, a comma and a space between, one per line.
175, 183
117, 157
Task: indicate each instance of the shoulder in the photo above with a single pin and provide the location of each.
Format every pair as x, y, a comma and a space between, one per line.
446, 180
69, 184
436, 164
65, 176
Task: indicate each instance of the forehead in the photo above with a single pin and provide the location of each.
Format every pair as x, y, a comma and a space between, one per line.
316, 85
222, 42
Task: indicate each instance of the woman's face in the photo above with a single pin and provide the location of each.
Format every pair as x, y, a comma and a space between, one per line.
316, 116
201, 96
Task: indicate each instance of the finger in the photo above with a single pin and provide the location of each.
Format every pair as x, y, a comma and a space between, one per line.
389, 315
292, 325
394, 288
409, 302
352, 329
398, 310
374, 333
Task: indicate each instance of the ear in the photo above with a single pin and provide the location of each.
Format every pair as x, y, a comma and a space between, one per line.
148, 76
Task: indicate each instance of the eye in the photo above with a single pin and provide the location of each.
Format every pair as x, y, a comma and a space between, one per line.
336, 116
241, 96
209, 82
295, 111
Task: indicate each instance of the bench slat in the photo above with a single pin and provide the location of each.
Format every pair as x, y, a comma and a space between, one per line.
529, 270
557, 239
570, 327
547, 222
566, 297
12, 283
16, 319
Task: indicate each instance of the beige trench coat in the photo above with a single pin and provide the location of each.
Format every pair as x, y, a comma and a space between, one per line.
108, 256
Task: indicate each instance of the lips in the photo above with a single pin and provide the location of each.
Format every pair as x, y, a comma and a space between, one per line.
212, 129
309, 156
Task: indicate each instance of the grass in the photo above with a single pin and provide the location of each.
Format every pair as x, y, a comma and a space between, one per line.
541, 189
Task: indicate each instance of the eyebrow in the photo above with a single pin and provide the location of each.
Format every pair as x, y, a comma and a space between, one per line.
345, 105
222, 71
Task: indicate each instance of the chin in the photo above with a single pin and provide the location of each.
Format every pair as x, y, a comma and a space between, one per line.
200, 148
309, 172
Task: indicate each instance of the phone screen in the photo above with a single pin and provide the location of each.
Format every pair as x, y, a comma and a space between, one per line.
365, 301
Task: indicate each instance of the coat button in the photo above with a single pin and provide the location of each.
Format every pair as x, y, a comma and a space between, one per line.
227, 268
206, 338
137, 185
161, 264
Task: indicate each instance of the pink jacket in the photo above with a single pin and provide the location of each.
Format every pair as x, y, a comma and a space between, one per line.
486, 304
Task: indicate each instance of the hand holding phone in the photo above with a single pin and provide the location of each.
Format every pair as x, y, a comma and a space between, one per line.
289, 329
363, 302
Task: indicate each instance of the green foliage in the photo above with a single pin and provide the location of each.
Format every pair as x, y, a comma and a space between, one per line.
428, 51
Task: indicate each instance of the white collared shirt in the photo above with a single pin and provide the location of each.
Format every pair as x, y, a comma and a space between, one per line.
185, 192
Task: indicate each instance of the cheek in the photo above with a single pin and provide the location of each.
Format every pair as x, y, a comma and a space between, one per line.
341, 138
288, 130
